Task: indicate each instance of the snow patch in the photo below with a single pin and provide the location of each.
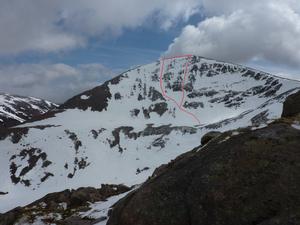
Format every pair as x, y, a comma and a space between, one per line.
84, 97
100, 209
235, 133
296, 125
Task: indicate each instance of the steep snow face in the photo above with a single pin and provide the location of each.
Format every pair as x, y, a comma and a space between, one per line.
17, 109
122, 130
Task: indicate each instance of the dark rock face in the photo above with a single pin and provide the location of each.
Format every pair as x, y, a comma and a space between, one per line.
249, 179
33, 155
148, 131
209, 136
97, 99
291, 106
16, 133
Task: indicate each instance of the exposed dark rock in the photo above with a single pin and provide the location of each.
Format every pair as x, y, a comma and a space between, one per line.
77, 143
146, 113
135, 112
194, 69
116, 134
140, 97
291, 106
82, 164
74, 200
138, 170
32, 156
155, 95
118, 96
96, 133
249, 73
230, 97
159, 108
159, 142
177, 85
249, 179
209, 136
261, 118
189, 87
98, 100
16, 133
194, 105
211, 73
47, 175
155, 76
46, 163
71, 175
49, 114
148, 131
202, 92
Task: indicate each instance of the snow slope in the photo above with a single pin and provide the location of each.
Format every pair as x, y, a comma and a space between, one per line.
17, 109
122, 130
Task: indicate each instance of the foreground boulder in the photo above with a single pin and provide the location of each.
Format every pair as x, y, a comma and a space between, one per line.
209, 136
291, 106
252, 178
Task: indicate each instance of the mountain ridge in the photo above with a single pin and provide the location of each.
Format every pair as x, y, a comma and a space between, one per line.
16, 109
120, 131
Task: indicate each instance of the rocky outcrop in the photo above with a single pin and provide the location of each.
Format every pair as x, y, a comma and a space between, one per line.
96, 99
209, 136
243, 179
291, 106
62, 207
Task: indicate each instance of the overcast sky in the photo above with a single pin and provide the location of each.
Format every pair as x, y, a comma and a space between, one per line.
54, 49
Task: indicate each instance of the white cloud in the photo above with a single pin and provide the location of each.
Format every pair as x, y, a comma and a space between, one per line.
55, 82
243, 31
55, 25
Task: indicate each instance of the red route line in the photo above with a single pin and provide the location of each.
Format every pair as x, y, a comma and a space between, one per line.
182, 85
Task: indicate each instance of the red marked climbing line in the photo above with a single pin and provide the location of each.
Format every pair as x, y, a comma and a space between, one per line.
180, 105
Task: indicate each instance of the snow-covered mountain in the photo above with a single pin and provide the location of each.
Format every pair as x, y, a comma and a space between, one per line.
119, 132
17, 109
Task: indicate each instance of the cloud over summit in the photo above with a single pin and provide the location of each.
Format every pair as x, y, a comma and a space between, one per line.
243, 31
